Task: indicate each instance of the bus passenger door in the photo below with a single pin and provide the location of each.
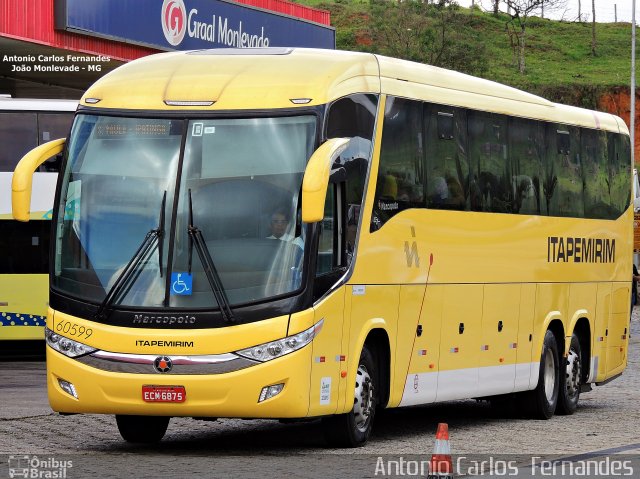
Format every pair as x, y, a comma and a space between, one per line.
500, 314
328, 358
460, 341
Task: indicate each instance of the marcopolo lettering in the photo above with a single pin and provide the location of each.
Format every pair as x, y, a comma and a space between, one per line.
144, 319
580, 250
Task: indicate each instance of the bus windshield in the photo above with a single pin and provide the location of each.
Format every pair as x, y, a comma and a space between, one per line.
223, 189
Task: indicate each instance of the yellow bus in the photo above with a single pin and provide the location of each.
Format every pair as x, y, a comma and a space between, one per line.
291, 233
24, 288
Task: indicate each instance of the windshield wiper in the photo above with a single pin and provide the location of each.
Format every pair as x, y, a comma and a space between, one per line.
131, 272
161, 231
196, 239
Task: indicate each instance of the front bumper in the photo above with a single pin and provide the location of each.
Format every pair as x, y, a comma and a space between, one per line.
227, 394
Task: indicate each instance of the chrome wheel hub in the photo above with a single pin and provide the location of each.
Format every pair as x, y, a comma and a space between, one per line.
363, 399
573, 373
549, 375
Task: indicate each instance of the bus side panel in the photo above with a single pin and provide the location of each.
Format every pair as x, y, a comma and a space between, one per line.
372, 307
524, 356
327, 355
618, 329
582, 304
460, 341
23, 305
498, 349
421, 361
551, 305
598, 367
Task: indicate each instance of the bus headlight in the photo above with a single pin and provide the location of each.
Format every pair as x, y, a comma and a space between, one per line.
66, 346
275, 349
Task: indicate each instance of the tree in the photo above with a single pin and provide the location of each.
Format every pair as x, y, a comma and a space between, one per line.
593, 28
426, 32
519, 12
580, 10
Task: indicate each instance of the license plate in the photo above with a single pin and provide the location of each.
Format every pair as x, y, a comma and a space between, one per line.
164, 393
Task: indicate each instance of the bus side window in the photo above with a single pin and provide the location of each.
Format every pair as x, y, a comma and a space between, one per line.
595, 178
52, 126
18, 135
400, 183
566, 166
619, 175
352, 116
526, 156
331, 259
488, 145
326, 251
447, 168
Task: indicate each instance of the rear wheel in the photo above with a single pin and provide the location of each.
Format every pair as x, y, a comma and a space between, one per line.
354, 428
142, 429
571, 380
542, 401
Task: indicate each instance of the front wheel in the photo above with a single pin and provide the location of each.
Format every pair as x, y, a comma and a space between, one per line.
542, 401
142, 429
354, 428
571, 379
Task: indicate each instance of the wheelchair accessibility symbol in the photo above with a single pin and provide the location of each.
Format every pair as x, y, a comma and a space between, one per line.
181, 284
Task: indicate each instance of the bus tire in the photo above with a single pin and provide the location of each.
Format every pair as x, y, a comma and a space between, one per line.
542, 401
354, 428
571, 381
142, 429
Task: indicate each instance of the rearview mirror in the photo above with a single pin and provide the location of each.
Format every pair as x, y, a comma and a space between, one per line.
316, 178
23, 177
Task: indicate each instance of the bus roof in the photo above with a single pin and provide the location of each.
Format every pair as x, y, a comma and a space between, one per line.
268, 78
36, 104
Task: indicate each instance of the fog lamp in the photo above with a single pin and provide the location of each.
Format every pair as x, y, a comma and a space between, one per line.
270, 391
67, 387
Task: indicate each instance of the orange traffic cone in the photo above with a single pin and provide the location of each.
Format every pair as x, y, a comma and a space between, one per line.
441, 465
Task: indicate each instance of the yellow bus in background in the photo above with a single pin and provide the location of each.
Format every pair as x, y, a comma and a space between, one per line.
291, 233
24, 261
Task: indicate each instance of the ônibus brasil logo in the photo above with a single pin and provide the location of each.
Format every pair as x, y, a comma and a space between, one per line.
174, 21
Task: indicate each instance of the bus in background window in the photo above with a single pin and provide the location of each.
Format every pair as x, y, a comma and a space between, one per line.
292, 233
24, 257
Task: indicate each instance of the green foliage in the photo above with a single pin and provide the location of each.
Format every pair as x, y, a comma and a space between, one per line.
558, 54
433, 33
